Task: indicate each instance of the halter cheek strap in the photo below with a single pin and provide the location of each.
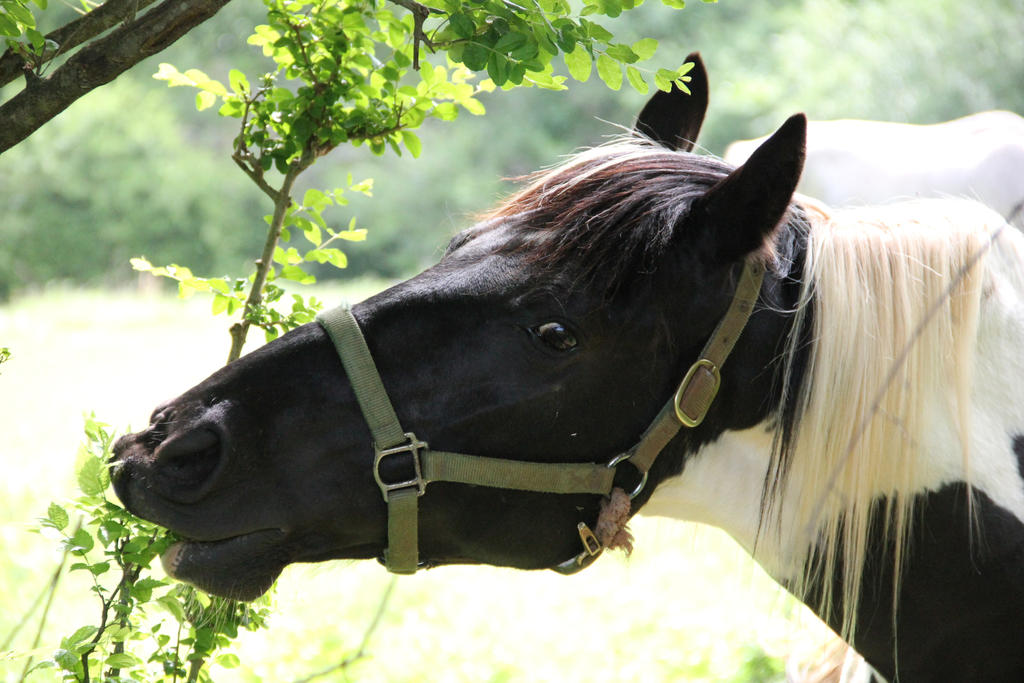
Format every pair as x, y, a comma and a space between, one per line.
687, 407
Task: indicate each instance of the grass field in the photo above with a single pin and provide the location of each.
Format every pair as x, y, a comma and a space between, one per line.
687, 606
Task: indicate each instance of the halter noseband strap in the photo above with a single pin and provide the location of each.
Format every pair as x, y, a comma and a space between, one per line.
687, 407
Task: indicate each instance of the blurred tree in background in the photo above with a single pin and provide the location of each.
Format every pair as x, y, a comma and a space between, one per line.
132, 168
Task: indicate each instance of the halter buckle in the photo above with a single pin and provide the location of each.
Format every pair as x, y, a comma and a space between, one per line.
412, 446
696, 392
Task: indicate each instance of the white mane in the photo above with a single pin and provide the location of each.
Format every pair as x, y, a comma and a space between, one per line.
896, 294
909, 303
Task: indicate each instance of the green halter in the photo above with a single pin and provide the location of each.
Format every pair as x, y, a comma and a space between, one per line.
687, 407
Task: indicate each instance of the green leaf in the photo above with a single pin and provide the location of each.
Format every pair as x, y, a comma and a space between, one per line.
336, 257
8, 27
611, 8
81, 635
610, 71
311, 231
636, 80
545, 38
287, 258
81, 543
316, 200
412, 143
67, 660
228, 660
141, 264
645, 48
219, 285
205, 99
297, 274
498, 68
364, 186
21, 14
352, 234
232, 107
622, 53
220, 304
142, 590
58, 516
674, 4
462, 25
596, 31
474, 56
37, 39
110, 530
446, 111
510, 41
168, 72
99, 568
122, 660
663, 79
201, 80
93, 477
172, 604
567, 37
239, 83
473, 106
579, 63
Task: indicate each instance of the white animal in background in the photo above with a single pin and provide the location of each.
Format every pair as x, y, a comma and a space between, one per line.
854, 162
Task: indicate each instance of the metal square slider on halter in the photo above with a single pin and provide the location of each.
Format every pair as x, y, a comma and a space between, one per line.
412, 446
687, 407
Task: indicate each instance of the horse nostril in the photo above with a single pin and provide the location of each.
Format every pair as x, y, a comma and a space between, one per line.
190, 460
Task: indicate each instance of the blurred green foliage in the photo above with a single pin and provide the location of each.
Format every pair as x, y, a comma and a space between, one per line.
133, 169
121, 175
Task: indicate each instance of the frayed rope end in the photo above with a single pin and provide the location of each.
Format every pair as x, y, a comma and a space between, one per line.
611, 528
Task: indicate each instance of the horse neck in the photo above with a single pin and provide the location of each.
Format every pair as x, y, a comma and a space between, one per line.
716, 474
961, 566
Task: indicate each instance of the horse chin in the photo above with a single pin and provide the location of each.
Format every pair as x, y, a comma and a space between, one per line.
241, 568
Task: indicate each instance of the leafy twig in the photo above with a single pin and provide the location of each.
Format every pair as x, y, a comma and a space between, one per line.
420, 12
99, 63
240, 330
72, 34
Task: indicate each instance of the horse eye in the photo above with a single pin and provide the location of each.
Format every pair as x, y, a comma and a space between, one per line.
555, 335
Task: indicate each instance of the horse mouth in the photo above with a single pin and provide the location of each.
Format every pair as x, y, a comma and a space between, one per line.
240, 567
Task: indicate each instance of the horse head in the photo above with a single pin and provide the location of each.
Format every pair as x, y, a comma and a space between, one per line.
552, 331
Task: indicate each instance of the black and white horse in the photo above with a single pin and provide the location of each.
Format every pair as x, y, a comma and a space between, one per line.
852, 410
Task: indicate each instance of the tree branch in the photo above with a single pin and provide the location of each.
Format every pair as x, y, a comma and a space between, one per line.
74, 33
420, 12
99, 63
240, 330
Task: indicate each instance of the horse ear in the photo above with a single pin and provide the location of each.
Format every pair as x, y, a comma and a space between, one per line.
740, 211
673, 118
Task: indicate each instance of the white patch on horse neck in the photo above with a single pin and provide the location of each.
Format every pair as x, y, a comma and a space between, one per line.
721, 486
997, 398
997, 392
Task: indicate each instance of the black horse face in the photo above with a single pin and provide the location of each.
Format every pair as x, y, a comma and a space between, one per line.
551, 332
269, 461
